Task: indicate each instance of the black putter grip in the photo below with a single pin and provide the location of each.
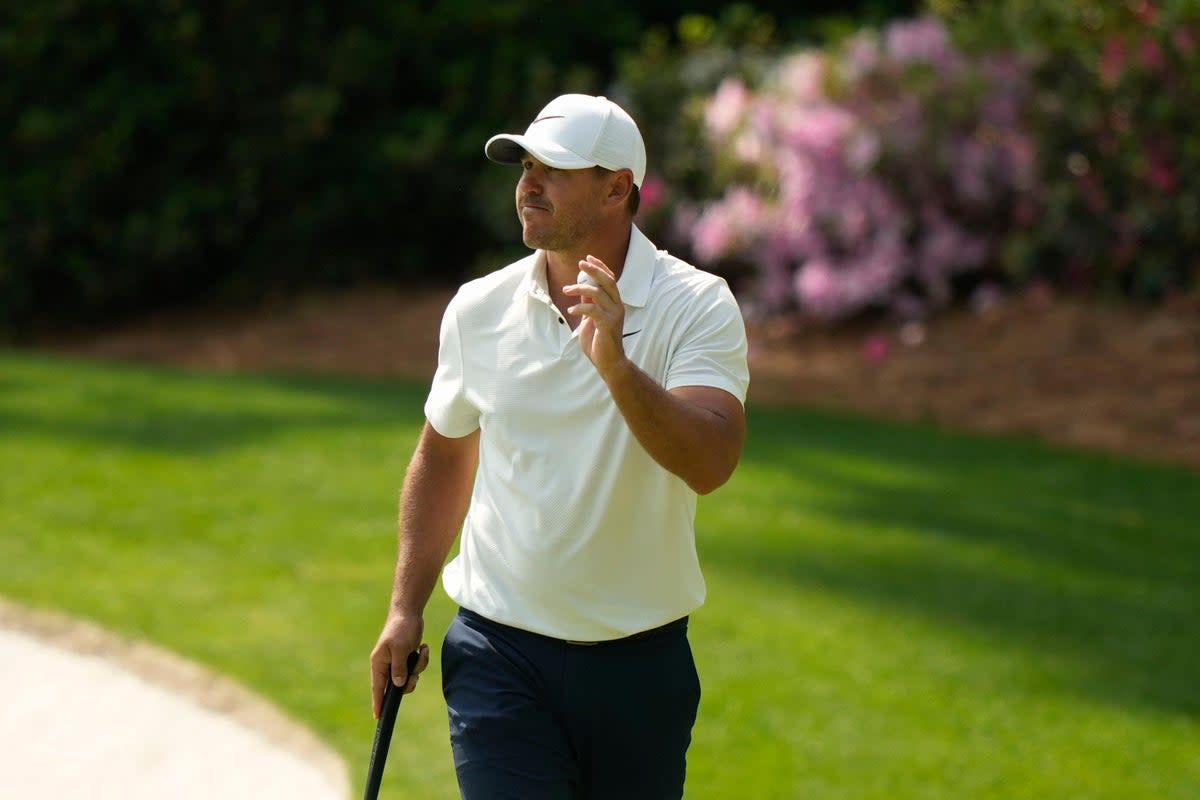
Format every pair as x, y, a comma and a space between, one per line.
383, 731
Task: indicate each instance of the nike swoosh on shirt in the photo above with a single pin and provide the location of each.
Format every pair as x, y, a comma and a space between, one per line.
631, 333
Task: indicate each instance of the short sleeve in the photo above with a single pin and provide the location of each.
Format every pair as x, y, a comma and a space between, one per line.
713, 349
447, 408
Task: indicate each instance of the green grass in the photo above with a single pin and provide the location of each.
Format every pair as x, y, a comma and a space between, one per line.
894, 611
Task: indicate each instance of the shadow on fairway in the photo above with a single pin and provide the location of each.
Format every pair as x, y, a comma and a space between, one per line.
189, 413
1090, 558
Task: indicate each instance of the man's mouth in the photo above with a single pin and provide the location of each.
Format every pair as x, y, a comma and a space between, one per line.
529, 204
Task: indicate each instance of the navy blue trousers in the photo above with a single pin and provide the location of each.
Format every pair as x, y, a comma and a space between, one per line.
536, 718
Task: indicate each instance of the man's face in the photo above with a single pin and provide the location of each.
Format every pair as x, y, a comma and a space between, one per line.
557, 207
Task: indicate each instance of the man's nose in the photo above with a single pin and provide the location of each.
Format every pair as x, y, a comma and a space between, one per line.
529, 183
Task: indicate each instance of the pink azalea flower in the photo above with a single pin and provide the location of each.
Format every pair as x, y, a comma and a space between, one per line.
819, 130
862, 149
1022, 156
972, 165
1184, 40
919, 40
727, 108
736, 218
802, 77
749, 147
1161, 176
1150, 53
653, 192
818, 289
876, 348
1112, 60
862, 55
867, 185
946, 248
711, 234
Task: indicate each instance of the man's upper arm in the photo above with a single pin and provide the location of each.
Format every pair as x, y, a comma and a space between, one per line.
728, 410
453, 453
710, 398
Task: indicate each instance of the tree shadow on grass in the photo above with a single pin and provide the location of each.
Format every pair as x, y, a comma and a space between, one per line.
190, 413
1088, 558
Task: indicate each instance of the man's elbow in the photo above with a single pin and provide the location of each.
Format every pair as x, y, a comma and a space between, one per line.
719, 452
711, 479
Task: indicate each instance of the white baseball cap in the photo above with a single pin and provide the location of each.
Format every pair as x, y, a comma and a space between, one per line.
576, 131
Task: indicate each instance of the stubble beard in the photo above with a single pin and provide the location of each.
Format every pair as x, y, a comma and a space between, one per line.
559, 235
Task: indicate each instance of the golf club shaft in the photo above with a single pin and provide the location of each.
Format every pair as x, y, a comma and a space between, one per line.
392, 695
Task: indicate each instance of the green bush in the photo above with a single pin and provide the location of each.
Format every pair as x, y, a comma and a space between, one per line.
159, 153
174, 152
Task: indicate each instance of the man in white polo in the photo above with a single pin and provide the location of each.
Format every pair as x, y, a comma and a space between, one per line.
584, 396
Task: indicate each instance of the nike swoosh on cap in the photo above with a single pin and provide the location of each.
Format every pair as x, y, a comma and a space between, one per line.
543, 119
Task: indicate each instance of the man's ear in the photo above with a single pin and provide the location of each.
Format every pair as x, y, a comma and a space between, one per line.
619, 187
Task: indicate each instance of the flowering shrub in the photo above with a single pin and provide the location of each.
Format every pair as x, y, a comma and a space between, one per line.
883, 174
993, 143
1118, 145
665, 86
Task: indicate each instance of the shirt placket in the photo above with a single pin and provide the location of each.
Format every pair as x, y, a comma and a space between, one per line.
556, 327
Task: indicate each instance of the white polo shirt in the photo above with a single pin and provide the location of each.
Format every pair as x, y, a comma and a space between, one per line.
573, 530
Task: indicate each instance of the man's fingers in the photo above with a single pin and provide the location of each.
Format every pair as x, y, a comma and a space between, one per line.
597, 267
588, 292
422, 659
379, 679
600, 278
400, 674
389, 657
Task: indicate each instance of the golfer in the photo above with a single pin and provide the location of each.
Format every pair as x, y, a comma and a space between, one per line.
584, 396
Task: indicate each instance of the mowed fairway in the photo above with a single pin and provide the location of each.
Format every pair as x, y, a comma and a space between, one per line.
894, 611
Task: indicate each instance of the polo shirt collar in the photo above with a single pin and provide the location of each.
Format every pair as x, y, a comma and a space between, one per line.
638, 273
634, 283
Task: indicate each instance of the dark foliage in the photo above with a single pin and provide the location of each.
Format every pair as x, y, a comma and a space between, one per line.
170, 152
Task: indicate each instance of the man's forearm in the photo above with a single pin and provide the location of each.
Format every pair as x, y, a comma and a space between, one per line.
693, 432
433, 503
